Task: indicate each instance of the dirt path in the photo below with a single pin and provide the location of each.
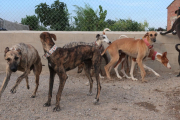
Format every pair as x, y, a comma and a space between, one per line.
159, 99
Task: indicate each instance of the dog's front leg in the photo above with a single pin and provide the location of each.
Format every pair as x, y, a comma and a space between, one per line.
63, 77
24, 75
51, 82
5, 82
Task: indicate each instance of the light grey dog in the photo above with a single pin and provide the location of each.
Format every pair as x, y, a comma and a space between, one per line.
21, 57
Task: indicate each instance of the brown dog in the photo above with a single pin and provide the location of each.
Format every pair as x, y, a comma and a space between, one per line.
135, 48
22, 57
61, 60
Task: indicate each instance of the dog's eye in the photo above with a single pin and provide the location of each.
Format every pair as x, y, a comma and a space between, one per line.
16, 58
155, 34
151, 35
103, 37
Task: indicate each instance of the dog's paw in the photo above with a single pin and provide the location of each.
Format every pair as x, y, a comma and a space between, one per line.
119, 77
96, 101
33, 96
157, 74
89, 94
134, 79
57, 108
13, 91
47, 104
144, 81
87, 84
28, 87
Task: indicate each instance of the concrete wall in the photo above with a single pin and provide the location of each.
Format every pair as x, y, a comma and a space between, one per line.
164, 43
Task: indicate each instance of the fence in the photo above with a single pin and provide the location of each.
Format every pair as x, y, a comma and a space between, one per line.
83, 15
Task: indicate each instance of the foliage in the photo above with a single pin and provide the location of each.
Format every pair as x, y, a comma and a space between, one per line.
32, 21
87, 19
128, 25
55, 16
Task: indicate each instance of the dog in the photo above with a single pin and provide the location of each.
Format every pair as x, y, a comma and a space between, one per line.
22, 57
176, 28
98, 44
61, 60
138, 49
153, 55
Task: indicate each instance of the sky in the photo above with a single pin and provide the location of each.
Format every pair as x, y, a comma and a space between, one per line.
153, 11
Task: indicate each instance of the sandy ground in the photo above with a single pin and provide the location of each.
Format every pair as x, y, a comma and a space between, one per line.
159, 99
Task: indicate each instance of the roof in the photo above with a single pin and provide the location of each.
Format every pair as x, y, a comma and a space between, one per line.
171, 3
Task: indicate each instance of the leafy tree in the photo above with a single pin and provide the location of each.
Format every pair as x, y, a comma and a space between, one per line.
128, 25
87, 19
32, 21
55, 16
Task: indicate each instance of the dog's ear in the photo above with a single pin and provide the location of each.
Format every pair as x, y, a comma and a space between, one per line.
164, 54
147, 34
42, 35
53, 36
6, 50
97, 36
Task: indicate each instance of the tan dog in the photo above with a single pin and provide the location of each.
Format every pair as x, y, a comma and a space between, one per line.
22, 57
138, 49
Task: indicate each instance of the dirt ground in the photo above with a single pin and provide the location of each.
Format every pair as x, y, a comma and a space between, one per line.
159, 99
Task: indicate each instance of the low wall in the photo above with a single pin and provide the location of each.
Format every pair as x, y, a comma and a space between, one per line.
164, 43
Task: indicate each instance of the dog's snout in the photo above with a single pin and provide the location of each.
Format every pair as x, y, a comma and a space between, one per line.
14, 69
109, 41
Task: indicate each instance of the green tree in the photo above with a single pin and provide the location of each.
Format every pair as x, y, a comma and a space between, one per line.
56, 16
128, 25
32, 21
87, 19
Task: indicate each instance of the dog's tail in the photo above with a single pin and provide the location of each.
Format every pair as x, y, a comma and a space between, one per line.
177, 47
105, 30
104, 51
123, 36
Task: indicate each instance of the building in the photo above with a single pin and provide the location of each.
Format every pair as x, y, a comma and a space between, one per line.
171, 16
7, 25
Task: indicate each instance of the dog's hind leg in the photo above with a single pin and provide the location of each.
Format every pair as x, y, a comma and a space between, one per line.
96, 64
80, 68
116, 67
27, 82
133, 63
87, 68
109, 66
37, 71
51, 82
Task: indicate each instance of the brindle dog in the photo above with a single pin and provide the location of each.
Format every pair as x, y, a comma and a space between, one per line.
65, 59
24, 58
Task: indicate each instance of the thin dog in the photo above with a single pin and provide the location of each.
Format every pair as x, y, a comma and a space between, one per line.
24, 58
61, 60
98, 44
135, 48
176, 27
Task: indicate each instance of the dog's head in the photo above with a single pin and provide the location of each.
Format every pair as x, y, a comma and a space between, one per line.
103, 37
13, 58
150, 36
177, 12
164, 60
47, 40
